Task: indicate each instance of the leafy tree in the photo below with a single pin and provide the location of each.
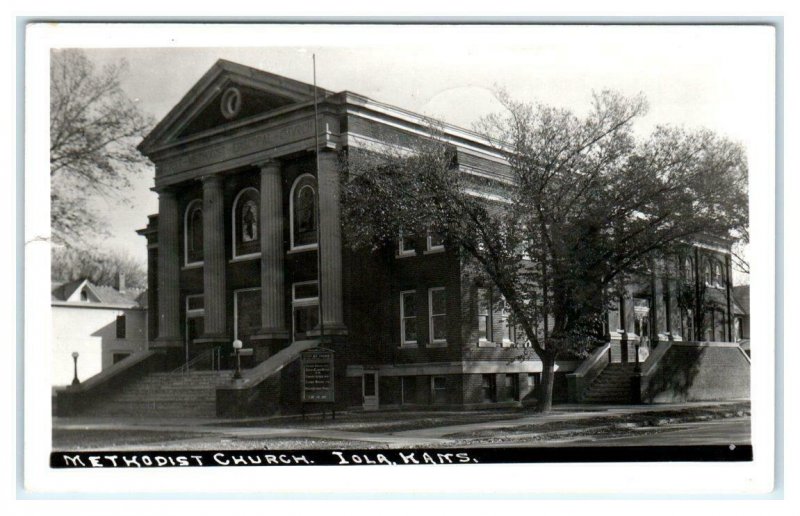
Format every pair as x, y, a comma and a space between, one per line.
584, 206
94, 129
739, 257
101, 268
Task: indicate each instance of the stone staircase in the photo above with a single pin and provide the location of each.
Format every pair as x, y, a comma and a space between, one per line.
191, 394
612, 386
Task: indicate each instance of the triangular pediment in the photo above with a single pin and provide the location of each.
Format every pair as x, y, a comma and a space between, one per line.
227, 95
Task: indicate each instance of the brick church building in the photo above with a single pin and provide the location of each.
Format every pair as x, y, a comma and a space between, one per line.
247, 246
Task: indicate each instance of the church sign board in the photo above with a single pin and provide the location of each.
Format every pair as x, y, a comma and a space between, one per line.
317, 375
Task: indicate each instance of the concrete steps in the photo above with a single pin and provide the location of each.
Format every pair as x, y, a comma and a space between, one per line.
191, 394
612, 386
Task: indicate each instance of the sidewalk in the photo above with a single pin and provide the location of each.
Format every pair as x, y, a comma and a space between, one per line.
429, 428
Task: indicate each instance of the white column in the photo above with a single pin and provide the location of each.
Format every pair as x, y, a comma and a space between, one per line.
214, 260
273, 319
169, 334
330, 244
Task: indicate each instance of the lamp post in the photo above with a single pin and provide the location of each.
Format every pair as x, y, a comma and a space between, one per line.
237, 345
75, 380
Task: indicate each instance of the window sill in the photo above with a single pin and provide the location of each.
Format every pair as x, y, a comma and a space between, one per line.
193, 265
245, 258
408, 345
441, 344
483, 343
433, 250
405, 254
302, 249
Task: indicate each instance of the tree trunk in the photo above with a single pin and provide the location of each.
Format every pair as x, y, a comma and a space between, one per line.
545, 401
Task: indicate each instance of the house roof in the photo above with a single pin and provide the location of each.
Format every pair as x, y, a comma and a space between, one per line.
741, 294
62, 290
97, 295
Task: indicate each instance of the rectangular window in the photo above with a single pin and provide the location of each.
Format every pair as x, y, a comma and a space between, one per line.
708, 326
409, 389
533, 380
116, 357
719, 326
306, 318
408, 318
484, 316
439, 389
488, 387
369, 384
406, 244
121, 326
435, 241
194, 320
305, 290
511, 387
509, 333
305, 308
194, 303
505, 330
437, 314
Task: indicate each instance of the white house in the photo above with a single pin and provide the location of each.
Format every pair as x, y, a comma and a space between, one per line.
102, 324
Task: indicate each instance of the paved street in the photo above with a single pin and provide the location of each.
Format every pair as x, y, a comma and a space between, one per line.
734, 431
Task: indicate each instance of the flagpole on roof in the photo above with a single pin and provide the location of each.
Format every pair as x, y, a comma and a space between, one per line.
317, 210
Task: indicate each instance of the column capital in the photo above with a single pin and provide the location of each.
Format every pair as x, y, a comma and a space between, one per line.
212, 180
268, 163
166, 193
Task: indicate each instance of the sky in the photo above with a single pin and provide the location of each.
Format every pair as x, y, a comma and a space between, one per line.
717, 77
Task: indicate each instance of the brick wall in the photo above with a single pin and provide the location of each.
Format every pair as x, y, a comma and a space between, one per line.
389, 390
372, 287
695, 372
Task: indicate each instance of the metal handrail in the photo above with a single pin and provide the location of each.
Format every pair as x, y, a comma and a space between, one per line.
214, 353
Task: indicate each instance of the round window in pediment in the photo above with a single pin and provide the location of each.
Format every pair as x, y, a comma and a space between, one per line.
231, 103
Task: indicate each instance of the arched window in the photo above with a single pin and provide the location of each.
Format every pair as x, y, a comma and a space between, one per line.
707, 272
717, 274
245, 223
688, 268
303, 212
193, 233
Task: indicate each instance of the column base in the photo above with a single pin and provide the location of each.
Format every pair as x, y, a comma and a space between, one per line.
213, 339
268, 342
171, 351
271, 334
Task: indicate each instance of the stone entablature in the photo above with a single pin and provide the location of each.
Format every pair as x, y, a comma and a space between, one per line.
234, 151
